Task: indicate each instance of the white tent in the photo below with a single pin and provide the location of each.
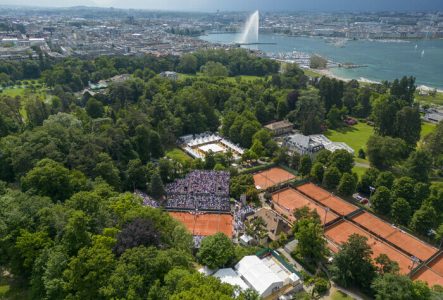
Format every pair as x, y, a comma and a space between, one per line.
228, 275
258, 275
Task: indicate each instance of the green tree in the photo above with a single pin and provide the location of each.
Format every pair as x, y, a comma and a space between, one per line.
343, 160
317, 172
317, 62
157, 189
347, 185
136, 174
188, 64
335, 117
383, 152
381, 200
424, 219
257, 148
419, 165
216, 251
311, 243
385, 265
352, 265
404, 187
368, 179
106, 169
392, 287
88, 272
332, 177
309, 112
408, 125
30, 245
401, 211
94, 108
49, 178
385, 179
214, 69
76, 232
305, 165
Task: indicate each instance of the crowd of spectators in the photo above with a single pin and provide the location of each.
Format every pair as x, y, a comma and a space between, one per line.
147, 200
240, 213
201, 182
199, 190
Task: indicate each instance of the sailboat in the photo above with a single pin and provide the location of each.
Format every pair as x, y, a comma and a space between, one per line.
422, 53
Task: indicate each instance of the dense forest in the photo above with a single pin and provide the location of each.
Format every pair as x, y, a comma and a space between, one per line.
70, 226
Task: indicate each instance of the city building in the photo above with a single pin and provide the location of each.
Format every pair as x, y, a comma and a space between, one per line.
311, 144
169, 74
302, 144
275, 223
280, 127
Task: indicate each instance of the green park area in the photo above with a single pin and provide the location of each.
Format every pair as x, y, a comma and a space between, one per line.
430, 99
178, 155
338, 295
357, 136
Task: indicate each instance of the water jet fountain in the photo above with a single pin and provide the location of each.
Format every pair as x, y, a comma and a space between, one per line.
249, 34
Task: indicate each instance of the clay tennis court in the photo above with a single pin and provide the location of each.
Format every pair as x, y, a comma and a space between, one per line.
273, 176
313, 191
205, 224
429, 276
340, 232
394, 235
432, 273
336, 204
437, 265
288, 200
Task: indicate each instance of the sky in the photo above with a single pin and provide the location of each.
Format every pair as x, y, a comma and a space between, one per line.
244, 5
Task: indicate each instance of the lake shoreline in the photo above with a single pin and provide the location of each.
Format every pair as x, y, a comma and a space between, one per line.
329, 73
386, 60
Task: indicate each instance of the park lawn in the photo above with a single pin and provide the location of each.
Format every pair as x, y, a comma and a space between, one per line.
312, 73
426, 128
13, 91
359, 170
355, 136
438, 99
339, 295
178, 155
438, 183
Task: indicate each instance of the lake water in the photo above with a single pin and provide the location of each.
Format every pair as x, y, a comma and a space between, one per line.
384, 60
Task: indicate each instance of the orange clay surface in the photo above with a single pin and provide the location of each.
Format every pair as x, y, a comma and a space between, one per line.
394, 235
336, 204
271, 177
429, 276
205, 224
288, 200
340, 232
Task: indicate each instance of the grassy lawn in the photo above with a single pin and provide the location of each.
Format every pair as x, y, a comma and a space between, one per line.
11, 291
355, 136
359, 170
178, 155
427, 128
339, 295
312, 73
438, 183
438, 99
